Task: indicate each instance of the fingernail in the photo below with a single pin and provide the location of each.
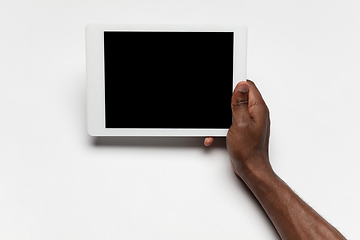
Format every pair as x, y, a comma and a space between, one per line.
243, 87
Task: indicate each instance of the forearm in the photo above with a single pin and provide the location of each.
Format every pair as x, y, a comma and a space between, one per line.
247, 142
291, 216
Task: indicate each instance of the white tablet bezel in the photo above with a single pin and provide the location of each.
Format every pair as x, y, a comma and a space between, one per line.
95, 76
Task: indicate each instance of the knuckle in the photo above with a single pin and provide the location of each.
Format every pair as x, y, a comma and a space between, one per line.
239, 103
260, 105
242, 123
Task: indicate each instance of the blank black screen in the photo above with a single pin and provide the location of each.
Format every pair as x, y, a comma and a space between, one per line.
168, 79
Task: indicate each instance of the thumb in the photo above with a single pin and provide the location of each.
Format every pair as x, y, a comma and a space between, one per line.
239, 102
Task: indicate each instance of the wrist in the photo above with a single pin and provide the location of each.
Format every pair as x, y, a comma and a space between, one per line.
256, 172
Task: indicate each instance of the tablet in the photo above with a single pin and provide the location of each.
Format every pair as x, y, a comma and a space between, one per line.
162, 80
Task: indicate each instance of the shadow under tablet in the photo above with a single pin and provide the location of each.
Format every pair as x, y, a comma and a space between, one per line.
219, 142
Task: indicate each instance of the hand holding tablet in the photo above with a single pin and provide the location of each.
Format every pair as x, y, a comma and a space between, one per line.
241, 113
166, 71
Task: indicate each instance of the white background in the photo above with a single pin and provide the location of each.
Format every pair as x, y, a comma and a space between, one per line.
56, 182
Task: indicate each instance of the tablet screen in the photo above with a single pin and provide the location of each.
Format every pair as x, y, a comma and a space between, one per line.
168, 79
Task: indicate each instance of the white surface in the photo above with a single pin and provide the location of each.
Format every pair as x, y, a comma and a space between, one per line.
56, 182
96, 85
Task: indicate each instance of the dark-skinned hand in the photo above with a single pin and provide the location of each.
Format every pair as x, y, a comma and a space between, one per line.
247, 140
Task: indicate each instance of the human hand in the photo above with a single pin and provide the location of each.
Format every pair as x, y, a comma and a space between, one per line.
248, 137
247, 140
